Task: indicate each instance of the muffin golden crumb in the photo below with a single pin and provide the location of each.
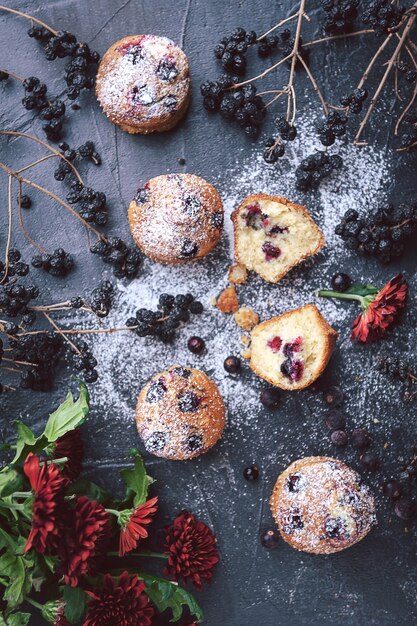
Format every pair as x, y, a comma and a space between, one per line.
272, 235
292, 350
238, 274
180, 413
176, 218
321, 506
143, 84
246, 318
227, 302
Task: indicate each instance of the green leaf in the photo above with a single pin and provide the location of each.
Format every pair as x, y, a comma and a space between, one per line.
26, 442
75, 602
137, 481
168, 595
14, 567
362, 290
68, 416
10, 481
15, 619
6, 541
87, 488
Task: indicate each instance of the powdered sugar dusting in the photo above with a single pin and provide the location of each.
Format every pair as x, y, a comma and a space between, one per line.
127, 361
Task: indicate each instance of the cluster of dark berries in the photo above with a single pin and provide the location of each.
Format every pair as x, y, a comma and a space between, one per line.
91, 204
408, 136
355, 100
340, 15
399, 490
336, 423
274, 147
59, 263
172, 310
44, 351
16, 267
64, 44
334, 126
231, 51
383, 16
382, 233
284, 43
102, 299
315, 168
86, 151
52, 113
15, 298
398, 369
241, 105
85, 362
125, 260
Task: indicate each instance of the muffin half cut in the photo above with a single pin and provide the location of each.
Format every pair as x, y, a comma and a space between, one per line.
272, 235
292, 350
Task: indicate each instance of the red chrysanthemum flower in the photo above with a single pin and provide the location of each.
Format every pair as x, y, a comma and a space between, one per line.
121, 603
71, 446
88, 526
47, 483
380, 308
379, 314
191, 550
133, 524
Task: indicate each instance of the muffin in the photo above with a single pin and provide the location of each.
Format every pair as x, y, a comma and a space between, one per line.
292, 350
321, 506
272, 235
180, 413
143, 84
176, 218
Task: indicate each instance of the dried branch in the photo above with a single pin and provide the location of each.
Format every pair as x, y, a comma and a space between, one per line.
314, 83
9, 230
29, 17
390, 65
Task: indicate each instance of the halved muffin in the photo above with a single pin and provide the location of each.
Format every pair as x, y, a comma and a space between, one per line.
292, 350
272, 235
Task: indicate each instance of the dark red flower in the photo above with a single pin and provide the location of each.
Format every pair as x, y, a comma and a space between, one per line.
121, 603
71, 446
133, 525
87, 530
48, 483
191, 550
379, 315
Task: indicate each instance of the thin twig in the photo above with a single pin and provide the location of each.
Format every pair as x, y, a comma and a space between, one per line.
28, 167
15, 133
82, 331
22, 226
264, 73
407, 28
373, 60
19, 362
9, 230
314, 83
405, 111
52, 195
314, 42
59, 331
281, 23
294, 58
13, 75
29, 17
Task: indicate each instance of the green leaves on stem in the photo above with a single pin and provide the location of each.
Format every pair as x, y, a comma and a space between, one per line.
364, 294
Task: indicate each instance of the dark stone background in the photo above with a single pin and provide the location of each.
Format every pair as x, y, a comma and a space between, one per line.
371, 583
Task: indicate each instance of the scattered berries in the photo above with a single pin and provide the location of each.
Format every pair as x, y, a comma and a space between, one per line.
315, 168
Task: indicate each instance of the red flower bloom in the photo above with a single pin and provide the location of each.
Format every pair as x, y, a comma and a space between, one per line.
191, 550
71, 446
119, 604
47, 482
381, 312
88, 525
133, 525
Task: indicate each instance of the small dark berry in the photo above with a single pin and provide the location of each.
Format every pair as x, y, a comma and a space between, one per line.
392, 489
196, 345
270, 398
251, 473
270, 539
339, 438
341, 282
361, 439
232, 364
333, 396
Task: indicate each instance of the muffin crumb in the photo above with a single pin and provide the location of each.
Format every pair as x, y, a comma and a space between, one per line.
246, 318
227, 301
238, 274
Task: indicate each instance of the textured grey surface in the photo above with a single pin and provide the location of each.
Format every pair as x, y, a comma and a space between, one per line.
371, 583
